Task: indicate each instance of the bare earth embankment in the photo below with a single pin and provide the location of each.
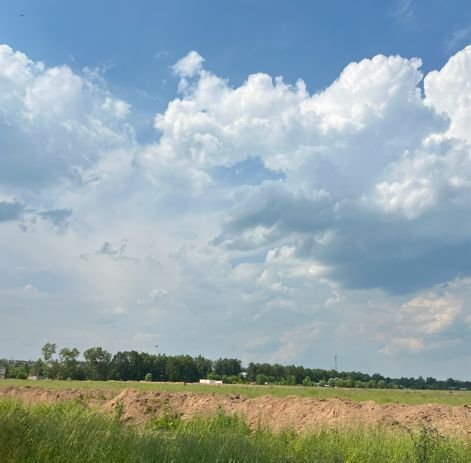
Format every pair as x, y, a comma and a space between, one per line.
275, 413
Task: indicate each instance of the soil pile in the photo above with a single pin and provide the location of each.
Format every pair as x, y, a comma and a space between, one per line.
274, 412
38, 394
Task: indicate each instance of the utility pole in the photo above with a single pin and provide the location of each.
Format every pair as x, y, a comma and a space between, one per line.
335, 362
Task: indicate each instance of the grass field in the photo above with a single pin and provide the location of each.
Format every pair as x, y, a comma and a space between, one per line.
382, 396
68, 432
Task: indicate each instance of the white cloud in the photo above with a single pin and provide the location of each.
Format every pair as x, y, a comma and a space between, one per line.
429, 314
368, 203
120, 109
427, 321
401, 345
364, 91
190, 65
296, 340
449, 92
54, 124
438, 174
116, 311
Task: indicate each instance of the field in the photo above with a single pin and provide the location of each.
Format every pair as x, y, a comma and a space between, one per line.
380, 396
56, 421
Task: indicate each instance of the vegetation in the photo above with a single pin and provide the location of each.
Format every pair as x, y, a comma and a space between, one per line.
69, 432
98, 364
381, 396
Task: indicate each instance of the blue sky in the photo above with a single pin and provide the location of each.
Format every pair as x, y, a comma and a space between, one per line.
313, 41
276, 181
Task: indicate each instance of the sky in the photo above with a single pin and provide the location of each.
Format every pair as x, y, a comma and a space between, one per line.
272, 181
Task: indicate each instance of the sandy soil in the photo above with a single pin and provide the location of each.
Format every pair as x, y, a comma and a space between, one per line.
274, 412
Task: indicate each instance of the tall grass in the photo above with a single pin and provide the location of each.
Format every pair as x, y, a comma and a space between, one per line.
381, 396
69, 432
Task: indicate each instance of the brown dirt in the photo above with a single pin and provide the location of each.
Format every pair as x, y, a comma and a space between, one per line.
274, 412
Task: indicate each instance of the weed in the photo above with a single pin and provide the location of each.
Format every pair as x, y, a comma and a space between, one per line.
68, 432
119, 410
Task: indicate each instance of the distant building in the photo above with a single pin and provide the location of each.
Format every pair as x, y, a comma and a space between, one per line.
210, 381
2, 373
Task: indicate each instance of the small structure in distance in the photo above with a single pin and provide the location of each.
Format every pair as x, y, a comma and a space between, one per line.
210, 381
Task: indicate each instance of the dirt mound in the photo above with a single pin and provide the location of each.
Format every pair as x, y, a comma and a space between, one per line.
276, 413
38, 394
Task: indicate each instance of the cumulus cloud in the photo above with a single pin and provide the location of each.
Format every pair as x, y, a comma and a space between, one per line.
449, 92
401, 345
54, 124
429, 314
190, 65
267, 213
371, 168
428, 321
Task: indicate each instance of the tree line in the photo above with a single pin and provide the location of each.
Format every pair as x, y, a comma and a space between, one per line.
263, 373
99, 364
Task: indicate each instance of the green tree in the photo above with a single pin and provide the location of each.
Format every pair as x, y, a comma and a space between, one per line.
227, 367
261, 379
181, 368
371, 384
204, 366
307, 381
50, 366
48, 350
18, 371
68, 366
381, 384
38, 368
128, 366
97, 363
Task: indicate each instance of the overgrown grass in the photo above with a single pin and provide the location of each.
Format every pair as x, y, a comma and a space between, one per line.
69, 432
381, 396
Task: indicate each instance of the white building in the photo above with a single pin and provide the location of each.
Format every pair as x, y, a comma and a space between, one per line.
210, 381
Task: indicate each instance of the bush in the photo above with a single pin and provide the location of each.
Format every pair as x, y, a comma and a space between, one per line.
307, 381
261, 379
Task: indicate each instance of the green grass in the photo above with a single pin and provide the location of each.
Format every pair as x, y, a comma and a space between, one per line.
381, 396
68, 432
